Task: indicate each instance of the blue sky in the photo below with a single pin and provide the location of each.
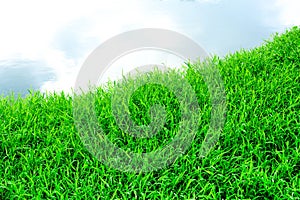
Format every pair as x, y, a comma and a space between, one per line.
43, 44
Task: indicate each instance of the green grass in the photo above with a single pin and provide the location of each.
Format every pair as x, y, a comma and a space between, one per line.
257, 155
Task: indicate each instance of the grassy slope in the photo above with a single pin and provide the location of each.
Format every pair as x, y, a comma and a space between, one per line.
256, 156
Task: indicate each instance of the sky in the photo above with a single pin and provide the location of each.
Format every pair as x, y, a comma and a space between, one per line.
43, 44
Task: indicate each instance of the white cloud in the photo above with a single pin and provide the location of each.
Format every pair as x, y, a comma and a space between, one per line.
29, 30
209, 1
289, 12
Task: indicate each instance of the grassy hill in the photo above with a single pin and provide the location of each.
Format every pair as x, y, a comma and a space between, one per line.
257, 155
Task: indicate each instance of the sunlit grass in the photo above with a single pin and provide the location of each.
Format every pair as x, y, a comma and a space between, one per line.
257, 155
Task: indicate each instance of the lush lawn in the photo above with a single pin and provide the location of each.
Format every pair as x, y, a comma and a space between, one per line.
257, 155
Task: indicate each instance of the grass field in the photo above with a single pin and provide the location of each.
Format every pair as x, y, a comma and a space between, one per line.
257, 155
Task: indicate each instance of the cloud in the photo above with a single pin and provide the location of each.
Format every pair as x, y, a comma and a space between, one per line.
61, 34
289, 12
20, 75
